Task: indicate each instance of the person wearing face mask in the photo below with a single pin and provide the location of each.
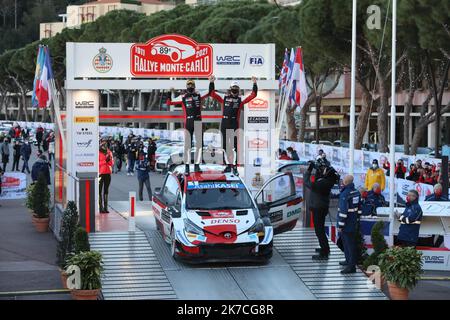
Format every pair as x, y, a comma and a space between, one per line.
375, 175
437, 195
373, 200
410, 221
191, 102
25, 153
400, 170
347, 220
232, 105
106, 162
320, 178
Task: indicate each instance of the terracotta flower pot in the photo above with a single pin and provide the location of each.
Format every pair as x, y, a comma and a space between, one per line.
64, 277
85, 294
397, 293
41, 224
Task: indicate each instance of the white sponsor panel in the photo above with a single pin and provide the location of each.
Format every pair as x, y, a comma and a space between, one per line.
14, 186
113, 60
84, 106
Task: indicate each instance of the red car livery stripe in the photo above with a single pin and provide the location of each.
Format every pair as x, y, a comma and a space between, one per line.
207, 176
159, 203
224, 233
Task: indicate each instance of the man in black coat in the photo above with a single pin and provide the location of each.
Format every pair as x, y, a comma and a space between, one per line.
320, 178
41, 166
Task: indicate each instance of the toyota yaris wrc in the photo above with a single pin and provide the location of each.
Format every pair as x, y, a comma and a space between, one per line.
211, 216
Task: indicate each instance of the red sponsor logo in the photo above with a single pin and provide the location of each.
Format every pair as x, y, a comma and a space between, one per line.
257, 143
258, 104
224, 221
85, 164
221, 214
171, 55
10, 182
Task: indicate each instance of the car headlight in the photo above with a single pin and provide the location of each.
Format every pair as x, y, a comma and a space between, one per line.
190, 227
258, 227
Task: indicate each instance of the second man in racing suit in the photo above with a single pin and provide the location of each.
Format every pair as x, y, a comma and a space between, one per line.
232, 105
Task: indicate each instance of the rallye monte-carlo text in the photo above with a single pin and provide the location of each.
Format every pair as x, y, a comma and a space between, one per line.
211, 216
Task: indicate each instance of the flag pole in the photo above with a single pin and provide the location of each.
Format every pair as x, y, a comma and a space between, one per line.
393, 116
353, 85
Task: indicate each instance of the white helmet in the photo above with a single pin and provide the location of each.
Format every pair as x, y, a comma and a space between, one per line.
234, 84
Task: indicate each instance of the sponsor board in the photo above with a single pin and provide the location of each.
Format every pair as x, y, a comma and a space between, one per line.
13, 186
171, 55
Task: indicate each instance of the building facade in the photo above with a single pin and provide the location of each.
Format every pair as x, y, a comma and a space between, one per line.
76, 15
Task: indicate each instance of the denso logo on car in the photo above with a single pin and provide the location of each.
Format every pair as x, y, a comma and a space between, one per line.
224, 221
171, 55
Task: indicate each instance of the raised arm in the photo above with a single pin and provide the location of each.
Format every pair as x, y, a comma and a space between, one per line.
177, 100
252, 95
212, 91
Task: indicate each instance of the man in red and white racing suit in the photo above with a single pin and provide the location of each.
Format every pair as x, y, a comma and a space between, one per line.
232, 105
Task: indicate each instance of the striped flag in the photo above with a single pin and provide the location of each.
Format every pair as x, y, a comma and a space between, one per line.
44, 92
284, 70
299, 92
37, 75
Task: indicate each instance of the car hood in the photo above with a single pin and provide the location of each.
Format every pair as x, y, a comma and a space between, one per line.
219, 221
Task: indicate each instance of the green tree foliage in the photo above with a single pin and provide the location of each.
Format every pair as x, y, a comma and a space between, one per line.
379, 245
41, 198
67, 233
81, 240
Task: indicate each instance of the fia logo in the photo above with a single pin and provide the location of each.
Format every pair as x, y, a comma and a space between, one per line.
256, 61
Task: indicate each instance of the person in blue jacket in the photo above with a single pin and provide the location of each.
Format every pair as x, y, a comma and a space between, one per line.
349, 204
25, 152
437, 195
373, 200
410, 220
143, 169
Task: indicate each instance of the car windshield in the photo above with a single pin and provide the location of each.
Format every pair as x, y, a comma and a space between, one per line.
217, 195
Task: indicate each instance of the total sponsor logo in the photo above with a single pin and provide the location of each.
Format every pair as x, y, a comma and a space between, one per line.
84, 104
85, 164
228, 60
256, 61
258, 104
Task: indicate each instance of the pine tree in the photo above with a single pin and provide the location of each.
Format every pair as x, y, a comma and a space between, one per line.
67, 233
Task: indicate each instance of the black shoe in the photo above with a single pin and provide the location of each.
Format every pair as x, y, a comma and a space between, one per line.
320, 257
235, 171
186, 169
348, 270
343, 263
318, 250
196, 168
228, 168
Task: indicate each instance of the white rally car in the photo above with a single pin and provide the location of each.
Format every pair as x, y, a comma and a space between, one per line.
211, 216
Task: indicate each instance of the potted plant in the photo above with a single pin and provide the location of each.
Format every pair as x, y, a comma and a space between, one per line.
40, 197
401, 267
29, 199
81, 240
66, 242
91, 267
379, 246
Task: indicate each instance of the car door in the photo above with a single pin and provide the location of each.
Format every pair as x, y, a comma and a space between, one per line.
297, 169
166, 205
280, 202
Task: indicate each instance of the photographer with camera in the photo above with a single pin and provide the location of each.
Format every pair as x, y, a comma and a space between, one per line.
320, 178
